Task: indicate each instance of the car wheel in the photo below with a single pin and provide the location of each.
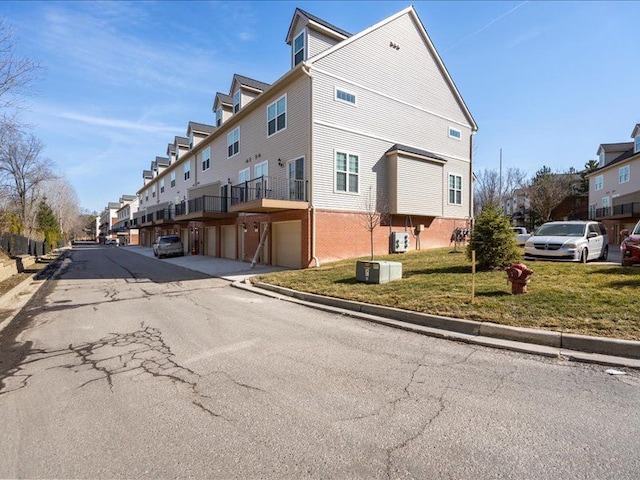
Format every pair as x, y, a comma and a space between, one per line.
584, 255
605, 253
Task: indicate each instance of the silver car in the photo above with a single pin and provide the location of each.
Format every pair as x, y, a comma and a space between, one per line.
572, 241
168, 245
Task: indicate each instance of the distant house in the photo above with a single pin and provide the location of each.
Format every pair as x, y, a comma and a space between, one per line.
614, 188
285, 172
126, 232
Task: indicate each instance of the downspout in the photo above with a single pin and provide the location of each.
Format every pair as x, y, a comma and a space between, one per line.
471, 181
306, 68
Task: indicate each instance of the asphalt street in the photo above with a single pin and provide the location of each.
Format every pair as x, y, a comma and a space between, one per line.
124, 366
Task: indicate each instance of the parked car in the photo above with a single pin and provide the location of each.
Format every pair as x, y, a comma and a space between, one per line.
575, 241
109, 241
521, 235
630, 247
168, 245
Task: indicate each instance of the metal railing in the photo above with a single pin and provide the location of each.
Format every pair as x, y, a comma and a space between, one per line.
207, 204
629, 209
275, 188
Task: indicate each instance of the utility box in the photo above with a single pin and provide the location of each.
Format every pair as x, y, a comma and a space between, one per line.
378, 271
399, 242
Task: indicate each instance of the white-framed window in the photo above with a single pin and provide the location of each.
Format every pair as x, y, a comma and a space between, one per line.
342, 95
219, 116
624, 174
242, 190
244, 175
187, 171
601, 159
299, 48
173, 179
347, 169
190, 141
455, 133
177, 152
455, 189
636, 144
277, 116
592, 210
233, 142
606, 202
153, 191
146, 196
598, 182
236, 101
206, 158
162, 185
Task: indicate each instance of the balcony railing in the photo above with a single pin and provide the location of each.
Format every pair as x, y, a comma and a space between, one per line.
181, 208
164, 214
626, 209
203, 204
274, 188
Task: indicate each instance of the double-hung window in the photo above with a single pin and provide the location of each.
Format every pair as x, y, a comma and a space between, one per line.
598, 182
455, 189
347, 172
162, 185
624, 174
187, 171
299, 48
236, 101
219, 117
636, 144
233, 142
206, 159
277, 116
153, 191
173, 179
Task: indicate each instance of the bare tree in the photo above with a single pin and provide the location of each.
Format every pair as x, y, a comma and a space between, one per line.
490, 189
17, 74
373, 215
63, 200
547, 190
23, 172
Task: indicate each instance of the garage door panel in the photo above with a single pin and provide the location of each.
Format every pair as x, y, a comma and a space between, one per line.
287, 244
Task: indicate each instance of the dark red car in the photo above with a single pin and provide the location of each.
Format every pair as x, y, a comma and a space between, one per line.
630, 247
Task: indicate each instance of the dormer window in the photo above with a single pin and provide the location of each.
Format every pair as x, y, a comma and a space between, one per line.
299, 48
236, 102
636, 144
219, 117
601, 158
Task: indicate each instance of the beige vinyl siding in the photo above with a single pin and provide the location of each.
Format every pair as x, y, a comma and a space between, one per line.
456, 167
415, 187
318, 42
417, 79
288, 144
612, 185
211, 189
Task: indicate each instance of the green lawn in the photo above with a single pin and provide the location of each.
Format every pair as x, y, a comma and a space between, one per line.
588, 299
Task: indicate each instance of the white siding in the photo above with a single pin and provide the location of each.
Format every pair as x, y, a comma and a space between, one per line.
318, 42
419, 186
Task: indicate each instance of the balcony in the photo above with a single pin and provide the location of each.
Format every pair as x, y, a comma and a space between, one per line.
162, 216
206, 206
269, 194
626, 210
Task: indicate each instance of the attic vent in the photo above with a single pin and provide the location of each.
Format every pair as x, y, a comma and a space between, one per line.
394, 45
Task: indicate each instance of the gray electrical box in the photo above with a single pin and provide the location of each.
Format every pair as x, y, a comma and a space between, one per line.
399, 242
378, 271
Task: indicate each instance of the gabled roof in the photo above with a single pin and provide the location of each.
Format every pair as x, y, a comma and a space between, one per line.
222, 99
415, 151
200, 127
614, 147
171, 148
625, 156
411, 11
147, 174
299, 13
113, 205
162, 161
636, 131
181, 141
128, 198
247, 82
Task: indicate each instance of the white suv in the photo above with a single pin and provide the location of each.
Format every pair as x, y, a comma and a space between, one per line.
573, 241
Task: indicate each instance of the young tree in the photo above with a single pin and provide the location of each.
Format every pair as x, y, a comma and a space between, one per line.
372, 216
48, 225
492, 239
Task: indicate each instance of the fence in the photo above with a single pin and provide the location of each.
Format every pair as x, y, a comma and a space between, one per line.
13, 244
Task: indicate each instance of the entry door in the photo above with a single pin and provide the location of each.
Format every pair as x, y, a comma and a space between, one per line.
296, 179
211, 241
260, 173
228, 241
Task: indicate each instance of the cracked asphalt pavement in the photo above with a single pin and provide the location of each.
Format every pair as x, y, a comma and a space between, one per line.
124, 366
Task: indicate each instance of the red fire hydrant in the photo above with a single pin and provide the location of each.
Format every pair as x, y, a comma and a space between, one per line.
519, 275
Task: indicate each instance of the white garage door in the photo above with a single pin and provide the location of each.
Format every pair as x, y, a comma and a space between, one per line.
228, 241
211, 241
287, 244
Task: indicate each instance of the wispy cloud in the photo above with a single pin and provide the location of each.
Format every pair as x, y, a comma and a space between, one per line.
480, 30
120, 124
524, 37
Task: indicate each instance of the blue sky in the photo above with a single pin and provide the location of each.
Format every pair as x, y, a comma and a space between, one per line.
546, 81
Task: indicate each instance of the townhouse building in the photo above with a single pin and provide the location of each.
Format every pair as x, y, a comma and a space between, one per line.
124, 230
288, 171
108, 218
517, 207
614, 188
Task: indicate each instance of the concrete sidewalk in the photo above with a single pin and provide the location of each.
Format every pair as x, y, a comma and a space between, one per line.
232, 270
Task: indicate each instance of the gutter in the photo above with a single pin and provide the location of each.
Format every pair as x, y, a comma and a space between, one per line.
306, 68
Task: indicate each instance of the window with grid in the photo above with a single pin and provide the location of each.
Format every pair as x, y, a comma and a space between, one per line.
206, 159
277, 116
162, 185
455, 189
236, 101
344, 96
187, 171
173, 179
624, 174
298, 49
347, 172
233, 143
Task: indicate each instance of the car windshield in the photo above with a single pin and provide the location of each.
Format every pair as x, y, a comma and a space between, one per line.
562, 230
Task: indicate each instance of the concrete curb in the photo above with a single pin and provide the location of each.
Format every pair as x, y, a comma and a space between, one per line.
606, 351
